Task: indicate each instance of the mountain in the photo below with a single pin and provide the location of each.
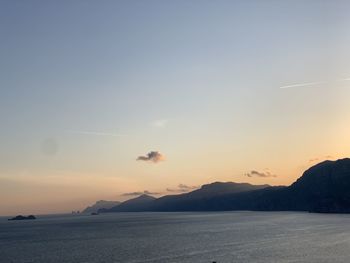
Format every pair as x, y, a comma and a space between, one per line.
183, 202
220, 188
197, 200
140, 203
102, 204
322, 188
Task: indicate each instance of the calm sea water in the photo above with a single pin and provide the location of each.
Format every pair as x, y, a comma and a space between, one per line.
178, 237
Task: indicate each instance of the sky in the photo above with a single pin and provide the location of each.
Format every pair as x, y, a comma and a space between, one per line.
105, 99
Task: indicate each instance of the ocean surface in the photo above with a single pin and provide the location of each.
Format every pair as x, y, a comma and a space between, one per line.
178, 237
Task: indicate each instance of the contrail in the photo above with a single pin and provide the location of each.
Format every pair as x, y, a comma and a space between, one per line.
345, 79
97, 133
301, 85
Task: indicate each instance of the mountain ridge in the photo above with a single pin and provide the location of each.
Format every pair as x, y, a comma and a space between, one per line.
321, 188
139, 203
101, 204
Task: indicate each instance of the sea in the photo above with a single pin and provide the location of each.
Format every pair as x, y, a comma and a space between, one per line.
202, 237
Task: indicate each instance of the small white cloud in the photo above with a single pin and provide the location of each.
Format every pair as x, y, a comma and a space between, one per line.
344, 79
159, 123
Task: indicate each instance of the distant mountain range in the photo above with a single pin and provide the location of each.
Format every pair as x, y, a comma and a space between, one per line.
137, 204
322, 188
102, 204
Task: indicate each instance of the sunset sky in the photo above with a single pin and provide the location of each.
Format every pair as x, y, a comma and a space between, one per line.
243, 91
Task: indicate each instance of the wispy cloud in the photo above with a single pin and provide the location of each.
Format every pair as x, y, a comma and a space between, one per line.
344, 79
265, 173
94, 133
308, 84
159, 123
146, 192
317, 159
181, 188
153, 156
301, 85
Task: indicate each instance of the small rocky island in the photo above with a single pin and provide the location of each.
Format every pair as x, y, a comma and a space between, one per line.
20, 217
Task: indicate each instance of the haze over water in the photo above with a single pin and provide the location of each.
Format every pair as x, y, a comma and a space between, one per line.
225, 237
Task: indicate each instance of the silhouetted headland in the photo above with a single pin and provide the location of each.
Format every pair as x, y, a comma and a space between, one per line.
323, 188
102, 204
20, 217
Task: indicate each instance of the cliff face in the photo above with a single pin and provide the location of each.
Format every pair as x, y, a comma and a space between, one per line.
325, 187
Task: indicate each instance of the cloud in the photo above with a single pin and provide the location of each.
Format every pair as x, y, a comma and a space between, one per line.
146, 192
97, 133
159, 123
153, 156
316, 159
265, 173
181, 188
301, 85
308, 84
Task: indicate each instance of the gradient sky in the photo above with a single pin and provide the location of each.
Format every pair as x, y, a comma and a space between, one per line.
220, 88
